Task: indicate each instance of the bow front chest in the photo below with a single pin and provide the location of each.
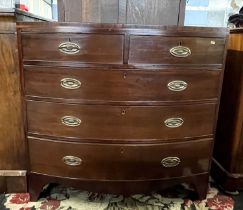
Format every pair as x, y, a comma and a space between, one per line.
120, 108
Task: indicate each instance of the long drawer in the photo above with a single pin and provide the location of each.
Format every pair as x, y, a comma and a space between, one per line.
119, 162
121, 85
86, 48
176, 50
120, 122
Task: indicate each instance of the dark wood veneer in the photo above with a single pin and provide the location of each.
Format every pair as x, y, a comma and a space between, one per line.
123, 102
154, 50
121, 85
70, 28
122, 162
12, 155
120, 122
13, 163
152, 12
94, 48
228, 169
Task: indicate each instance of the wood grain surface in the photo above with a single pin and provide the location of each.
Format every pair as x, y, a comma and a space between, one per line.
152, 12
156, 50
229, 134
7, 24
12, 141
119, 162
124, 123
13, 151
123, 86
123, 103
145, 12
94, 48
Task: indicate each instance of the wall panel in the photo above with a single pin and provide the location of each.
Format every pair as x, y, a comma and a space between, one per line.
144, 12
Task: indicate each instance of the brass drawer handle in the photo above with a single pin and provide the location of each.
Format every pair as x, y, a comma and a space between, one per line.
70, 83
71, 121
174, 122
72, 160
180, 51
177, 85
69, 48
170, 162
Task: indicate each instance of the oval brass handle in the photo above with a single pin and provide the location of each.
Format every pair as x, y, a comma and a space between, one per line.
170, 162
70, 83
71, 121
177, 85
174, 122
180, 51
69, 48
72, 160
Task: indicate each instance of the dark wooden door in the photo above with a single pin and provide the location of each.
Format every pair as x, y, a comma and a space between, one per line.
145, 12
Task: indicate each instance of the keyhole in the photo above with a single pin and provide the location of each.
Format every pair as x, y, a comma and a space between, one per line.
179, 43
123, 112
124, 76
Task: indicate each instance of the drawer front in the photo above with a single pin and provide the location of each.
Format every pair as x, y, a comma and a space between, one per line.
85, 48
176, 50
120, 122
119, 162
122, 85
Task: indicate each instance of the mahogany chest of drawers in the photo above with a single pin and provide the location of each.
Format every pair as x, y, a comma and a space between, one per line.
119, 108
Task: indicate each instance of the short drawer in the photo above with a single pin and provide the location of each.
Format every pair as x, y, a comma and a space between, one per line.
176, 50
119, 162
121, 85
85, 48
120, 122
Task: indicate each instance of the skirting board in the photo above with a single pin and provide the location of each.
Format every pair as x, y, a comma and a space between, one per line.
13, 181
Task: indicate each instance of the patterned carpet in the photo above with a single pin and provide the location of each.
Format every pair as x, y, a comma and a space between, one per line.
61, 198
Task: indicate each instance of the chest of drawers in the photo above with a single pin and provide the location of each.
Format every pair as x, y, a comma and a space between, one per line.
120, 109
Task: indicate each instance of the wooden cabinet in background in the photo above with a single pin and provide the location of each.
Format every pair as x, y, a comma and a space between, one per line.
13, 157
142, 12
227, 167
